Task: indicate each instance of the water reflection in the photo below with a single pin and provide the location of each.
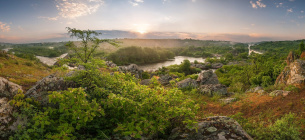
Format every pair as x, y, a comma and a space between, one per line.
177, 60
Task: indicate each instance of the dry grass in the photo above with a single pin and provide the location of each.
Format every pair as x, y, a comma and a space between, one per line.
23, 72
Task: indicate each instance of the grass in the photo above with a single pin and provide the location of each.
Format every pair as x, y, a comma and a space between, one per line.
21, 71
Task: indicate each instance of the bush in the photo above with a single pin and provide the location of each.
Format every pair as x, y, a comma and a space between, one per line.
285, 128
28, 64
145, 75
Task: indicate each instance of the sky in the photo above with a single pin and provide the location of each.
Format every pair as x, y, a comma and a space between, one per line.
26, 21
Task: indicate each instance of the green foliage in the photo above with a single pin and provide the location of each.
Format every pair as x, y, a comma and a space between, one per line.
139, 55
1, 65
27, 51
284, 128
301, 47
292, 88
28, 64
89, 43
260, 70
145, 75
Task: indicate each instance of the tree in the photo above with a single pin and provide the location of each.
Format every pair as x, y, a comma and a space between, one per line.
301, 47
89, 43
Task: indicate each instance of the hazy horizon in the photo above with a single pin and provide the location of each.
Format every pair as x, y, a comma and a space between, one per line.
230, 20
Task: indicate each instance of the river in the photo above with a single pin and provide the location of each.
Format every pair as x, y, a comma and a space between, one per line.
250, 51
177, 60
50, 61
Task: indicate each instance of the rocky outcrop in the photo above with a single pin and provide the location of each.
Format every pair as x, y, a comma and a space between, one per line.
8, 89
110, 64
42, 89
217, 65
200, 66
133, 69
227, 100
279, 93
6, 118
165, 79
211, 90
212, 128
207, 77
258, 89
290, 58
187, 83
293, 74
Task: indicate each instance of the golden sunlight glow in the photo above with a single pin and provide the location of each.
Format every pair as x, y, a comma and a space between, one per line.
141, 28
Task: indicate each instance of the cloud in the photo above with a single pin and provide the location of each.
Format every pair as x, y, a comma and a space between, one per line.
72, 9
279, 5
135, 2
289, 10
257, 4
302, 11
291, 0
4, 27
49, 18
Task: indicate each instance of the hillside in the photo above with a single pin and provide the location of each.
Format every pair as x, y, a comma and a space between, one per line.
22, 71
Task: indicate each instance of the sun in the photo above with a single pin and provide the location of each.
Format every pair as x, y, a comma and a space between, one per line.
141, 28
141, 31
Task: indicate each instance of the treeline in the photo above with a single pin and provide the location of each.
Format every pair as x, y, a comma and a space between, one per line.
208, 51
139, 55
278, 48
40, 49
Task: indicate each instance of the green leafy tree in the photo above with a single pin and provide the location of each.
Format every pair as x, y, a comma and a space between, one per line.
89, 43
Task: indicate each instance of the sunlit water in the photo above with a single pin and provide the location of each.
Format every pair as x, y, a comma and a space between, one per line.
50, 61
250, 51
177, 60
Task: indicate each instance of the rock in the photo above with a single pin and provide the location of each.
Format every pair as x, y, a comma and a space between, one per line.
258, 89
207, 77
200, 66
187, 83
145, 82
40, 91
212, 128
110, 64
294, 74
212, 90
279, 93
290, 58
217, 65
227, 100
6, 117
164, 79
8, 89
133, 69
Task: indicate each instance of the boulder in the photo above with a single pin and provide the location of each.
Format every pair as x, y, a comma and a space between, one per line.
207, 77
294, 74
145, 82
8, 89
200, 66
110, 64
164, 79
187, 83
42, 89
133, 69
279, 93
258, 89
211, 90
6, 118
212, 128
227, 100
217, 65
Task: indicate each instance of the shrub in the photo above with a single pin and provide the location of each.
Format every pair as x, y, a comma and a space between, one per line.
28, 64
